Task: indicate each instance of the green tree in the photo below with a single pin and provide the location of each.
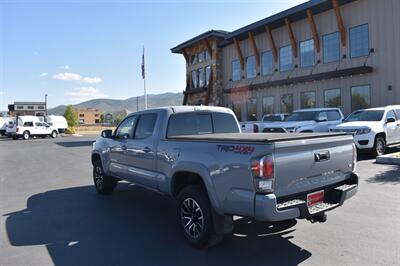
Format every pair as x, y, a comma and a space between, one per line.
102, 118
71, 116
118, 119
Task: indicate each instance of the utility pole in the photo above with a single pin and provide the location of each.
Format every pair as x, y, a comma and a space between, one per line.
137, 103
45, 106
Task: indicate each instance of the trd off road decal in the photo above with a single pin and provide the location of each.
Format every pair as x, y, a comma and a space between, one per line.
236, 149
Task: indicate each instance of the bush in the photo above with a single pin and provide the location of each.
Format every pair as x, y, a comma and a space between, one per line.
70, 130
71, 116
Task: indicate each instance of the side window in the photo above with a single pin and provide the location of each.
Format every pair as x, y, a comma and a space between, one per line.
38, 124
145, 126
322, 116
224, 123
28, 124
390, 114
333, 115
397, 111
189, 124
125, 129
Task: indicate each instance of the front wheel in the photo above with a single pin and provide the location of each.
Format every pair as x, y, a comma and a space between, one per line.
54, 134
103, 183
379, 146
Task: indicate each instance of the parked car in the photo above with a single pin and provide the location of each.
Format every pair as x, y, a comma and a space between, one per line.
257, 126
27, 126
373, 129
307, 120
197, 155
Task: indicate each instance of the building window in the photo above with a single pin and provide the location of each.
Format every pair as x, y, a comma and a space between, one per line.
287, 103
359, 41
81, 115
20, 107
251, 67
307, 99
40, 107
268, 105
201, 77
30, 107
360, 97
235, 70
194, 78
266, 63
96, 115
331, 46
208, 74
237, 109
192, 59
332, 98
285, 58
252, 110
307, 57
200, 57
207, 55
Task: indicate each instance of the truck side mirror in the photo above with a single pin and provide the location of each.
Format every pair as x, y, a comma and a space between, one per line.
106, 133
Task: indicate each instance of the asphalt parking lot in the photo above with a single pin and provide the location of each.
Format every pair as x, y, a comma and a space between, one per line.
51, 214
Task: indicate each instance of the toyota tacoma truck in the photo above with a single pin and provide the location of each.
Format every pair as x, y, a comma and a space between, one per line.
198, 155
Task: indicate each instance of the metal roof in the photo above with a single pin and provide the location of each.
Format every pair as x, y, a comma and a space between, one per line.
28, 103
210, 33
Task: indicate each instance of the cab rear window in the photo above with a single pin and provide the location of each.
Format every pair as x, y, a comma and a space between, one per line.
201, 123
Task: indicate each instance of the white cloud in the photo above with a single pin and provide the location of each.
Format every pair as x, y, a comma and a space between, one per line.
66, 67
93, 80
85, 93
44, 74
67, 76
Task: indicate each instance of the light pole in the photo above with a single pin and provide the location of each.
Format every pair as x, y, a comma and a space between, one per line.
45, 103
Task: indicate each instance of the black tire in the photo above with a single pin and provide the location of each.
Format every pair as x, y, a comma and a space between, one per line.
54, 134
103, 183
194, 216
379, 146
26, 135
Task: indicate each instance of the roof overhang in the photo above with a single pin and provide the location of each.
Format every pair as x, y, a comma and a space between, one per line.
293, 14
211, 33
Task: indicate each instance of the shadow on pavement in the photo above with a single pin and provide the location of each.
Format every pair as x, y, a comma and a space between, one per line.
74, 144
390, 176
135, 226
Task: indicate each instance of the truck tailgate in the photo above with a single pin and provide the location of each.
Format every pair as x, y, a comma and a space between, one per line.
309, 164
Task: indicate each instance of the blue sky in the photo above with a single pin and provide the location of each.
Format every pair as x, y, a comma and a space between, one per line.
80, 50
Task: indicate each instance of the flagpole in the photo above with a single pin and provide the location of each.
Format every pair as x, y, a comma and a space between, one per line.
144, 82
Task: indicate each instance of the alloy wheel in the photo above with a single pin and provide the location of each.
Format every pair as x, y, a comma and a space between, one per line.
98, 177
192, 218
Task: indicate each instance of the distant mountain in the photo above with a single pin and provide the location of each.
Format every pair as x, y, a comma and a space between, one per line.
127, 105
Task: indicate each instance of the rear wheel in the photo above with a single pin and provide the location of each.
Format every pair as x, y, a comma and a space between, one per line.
26, 135
54, 134
195, 218
103, 183
379, 146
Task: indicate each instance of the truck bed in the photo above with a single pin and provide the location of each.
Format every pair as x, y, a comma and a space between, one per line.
255, 137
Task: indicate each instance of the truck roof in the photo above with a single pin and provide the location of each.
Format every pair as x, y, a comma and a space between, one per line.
188, 108
316, 109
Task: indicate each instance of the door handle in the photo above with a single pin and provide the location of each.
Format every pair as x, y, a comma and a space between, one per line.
147, 150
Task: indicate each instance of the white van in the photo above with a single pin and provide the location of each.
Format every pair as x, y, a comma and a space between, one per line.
58, 122
27, 126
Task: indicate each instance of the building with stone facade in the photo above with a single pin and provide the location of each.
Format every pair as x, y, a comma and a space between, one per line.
27, 108
322, 53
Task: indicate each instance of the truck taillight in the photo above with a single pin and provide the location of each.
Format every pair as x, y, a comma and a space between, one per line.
255, 128
263, 173
17, 130
354, 157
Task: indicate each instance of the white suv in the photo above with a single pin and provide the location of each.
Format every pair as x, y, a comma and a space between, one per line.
373, 129
28, 126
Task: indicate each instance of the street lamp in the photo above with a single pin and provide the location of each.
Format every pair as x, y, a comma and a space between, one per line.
45, 103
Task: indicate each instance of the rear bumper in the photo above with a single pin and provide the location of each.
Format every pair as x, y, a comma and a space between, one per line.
269, 208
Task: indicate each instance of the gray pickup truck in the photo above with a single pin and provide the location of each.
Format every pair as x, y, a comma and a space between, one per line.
198, 155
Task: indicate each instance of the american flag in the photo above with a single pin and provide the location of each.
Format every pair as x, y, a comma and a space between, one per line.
143, 68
